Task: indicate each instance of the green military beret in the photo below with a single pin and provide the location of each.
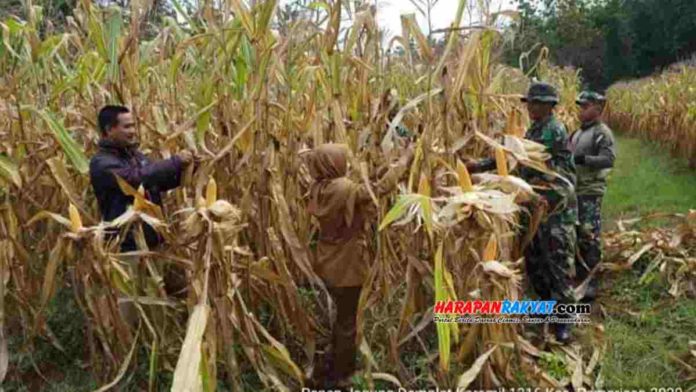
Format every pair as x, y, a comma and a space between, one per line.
589, 96
541, 92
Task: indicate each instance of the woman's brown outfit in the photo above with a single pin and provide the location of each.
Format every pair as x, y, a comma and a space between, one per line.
341, 206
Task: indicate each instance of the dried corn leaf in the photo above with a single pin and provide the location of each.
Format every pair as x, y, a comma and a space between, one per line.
388, 378
124, 367
470, 375
4, 277
187, 376
49, 215
498, 268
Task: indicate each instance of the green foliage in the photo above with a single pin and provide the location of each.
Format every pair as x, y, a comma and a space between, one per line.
608, 39
56, 13
646, 180
554, 365
66, 368
645, 326
644, 340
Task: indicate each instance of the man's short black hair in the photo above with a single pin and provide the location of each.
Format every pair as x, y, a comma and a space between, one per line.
108, 116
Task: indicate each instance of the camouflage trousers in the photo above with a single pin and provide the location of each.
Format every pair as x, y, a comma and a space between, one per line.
550, 258
589, 252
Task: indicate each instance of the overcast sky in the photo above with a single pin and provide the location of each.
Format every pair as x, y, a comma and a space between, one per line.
389, 13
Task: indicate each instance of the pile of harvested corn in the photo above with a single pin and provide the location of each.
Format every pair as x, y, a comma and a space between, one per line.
668, 253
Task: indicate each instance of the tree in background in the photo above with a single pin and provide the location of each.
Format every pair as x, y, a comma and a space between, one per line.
56, 12
608, 39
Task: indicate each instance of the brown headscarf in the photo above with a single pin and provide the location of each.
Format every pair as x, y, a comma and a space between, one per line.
328, 161
332, 196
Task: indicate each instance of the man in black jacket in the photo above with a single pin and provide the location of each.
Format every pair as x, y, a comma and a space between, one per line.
118, 155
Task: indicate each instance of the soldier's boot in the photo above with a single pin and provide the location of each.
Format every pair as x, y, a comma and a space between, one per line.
591, 292
563, 332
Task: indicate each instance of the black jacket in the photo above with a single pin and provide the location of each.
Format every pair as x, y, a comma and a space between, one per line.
134, 167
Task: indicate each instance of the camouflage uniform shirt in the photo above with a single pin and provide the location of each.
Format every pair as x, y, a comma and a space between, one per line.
561, 191
595, 142
550, 257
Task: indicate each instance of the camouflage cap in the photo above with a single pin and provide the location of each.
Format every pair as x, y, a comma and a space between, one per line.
541, 92
589, 96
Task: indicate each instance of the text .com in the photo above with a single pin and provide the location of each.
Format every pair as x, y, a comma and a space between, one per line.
510, 307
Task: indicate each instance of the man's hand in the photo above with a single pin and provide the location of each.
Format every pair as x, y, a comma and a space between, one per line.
408, 153
479, 166
186, 157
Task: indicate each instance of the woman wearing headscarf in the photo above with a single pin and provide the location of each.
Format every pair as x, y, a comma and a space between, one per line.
340, 206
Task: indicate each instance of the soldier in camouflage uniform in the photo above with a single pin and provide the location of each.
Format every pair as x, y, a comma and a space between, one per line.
550, 257
594, 154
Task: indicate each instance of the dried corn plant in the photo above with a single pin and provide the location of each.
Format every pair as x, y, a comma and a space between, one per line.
660, 108
228, 86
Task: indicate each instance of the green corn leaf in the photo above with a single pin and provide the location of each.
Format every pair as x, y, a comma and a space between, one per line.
113, 33
7, 32
443, 329
261, 72
398, 210
280, 359
336, 72
207, 382
9, 170
265, 15
70, 147
96, 33
50, 44
247, 52
175, 67
181, 12
244, 15
427, 210
152, 374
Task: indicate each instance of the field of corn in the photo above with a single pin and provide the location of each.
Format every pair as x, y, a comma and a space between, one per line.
659, 108
247, 92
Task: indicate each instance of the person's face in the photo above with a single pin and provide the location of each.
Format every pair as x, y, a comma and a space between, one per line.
538, 110
123, 133
589, 111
